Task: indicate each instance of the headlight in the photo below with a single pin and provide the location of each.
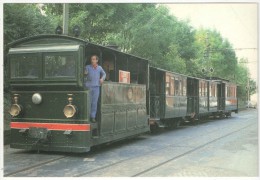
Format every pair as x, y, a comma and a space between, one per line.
69, 110
15, 110
36, 98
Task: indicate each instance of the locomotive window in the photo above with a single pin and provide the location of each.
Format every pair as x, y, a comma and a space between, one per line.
24, 66
58, 66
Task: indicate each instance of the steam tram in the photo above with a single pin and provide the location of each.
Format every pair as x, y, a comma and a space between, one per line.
51, 106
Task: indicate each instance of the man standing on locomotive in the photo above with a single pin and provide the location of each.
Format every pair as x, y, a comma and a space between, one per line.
95, 76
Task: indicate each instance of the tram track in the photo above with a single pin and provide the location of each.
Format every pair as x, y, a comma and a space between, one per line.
156, 150
190, 151
34, 166
175, 144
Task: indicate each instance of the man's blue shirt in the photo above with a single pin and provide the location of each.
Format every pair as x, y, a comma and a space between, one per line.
94, 75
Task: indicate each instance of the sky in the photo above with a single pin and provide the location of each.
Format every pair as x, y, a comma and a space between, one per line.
236, 22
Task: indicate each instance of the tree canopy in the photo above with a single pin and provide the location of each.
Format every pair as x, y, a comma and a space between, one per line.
146, 30
23, 20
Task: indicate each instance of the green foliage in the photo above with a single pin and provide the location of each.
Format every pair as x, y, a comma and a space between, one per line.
242, 78
146, 30
97, 21
174, 62
23, 20
221, 56
156, 35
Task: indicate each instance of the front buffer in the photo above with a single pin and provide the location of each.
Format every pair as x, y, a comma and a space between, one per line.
61, 137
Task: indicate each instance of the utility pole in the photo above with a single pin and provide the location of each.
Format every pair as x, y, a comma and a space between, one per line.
207, 69
206, 52
65, 18
248, 83
248, 87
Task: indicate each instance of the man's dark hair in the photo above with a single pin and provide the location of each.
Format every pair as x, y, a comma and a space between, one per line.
95, 56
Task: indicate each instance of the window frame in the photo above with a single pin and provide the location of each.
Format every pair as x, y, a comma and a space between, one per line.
177, 86
184, 86
39, 65
73, 53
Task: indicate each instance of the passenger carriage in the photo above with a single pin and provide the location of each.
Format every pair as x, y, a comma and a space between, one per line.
168, 98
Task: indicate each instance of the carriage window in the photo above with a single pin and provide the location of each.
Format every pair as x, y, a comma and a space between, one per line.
58, 66
202, 90
184, 87
232, 91
167, 85
228, 91
177, 87
206, 89
180, 87
213, 90
24, 66
172, 86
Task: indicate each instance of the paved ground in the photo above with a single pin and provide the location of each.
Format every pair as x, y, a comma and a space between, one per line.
226, 147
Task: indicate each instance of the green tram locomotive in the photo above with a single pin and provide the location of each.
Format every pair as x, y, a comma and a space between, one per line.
51, 107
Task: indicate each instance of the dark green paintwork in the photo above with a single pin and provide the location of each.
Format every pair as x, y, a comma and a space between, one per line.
51, 108
126, 119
